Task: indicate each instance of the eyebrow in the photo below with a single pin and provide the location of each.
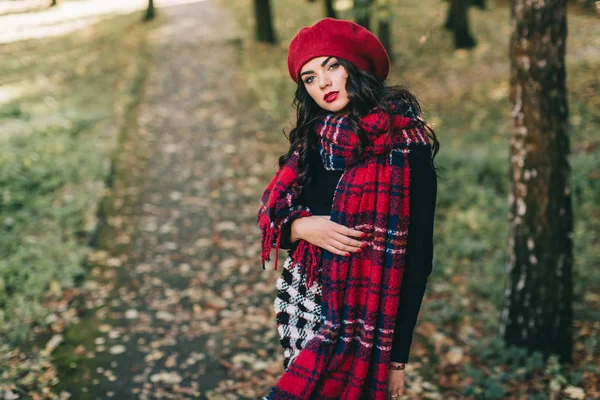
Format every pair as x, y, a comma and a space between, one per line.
322, 65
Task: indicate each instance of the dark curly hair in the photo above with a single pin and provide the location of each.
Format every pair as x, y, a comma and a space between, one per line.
365, 92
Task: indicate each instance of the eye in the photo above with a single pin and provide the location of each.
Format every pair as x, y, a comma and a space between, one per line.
334, 65
309, 79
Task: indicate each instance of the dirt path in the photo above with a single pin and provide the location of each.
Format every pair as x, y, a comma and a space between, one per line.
179, 307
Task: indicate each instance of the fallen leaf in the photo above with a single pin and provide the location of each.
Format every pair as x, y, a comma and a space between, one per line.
53, 343
117, 349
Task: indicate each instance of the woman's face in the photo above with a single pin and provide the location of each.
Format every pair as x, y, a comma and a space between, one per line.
325, 81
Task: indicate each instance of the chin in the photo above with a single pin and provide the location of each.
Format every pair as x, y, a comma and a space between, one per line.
334, 108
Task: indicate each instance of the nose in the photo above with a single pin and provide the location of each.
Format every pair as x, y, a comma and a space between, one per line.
324, 82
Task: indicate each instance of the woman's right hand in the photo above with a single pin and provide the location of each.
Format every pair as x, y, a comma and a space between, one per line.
322, 232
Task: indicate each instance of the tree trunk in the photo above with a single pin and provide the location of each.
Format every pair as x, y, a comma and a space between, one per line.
264, 22
150, 12
458, 22
537, 311
384, 28
53, 3
384, 33
478, 3
362, 13
329, 10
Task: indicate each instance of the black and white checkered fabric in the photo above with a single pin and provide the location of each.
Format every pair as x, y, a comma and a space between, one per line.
298, 310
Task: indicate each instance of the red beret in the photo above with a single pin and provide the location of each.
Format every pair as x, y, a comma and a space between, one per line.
338, 38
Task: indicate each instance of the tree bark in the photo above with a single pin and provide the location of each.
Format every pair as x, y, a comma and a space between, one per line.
150, 12
264, 22
537, 312
458, 22
329, 10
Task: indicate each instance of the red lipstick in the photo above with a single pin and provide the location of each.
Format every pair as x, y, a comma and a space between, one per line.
331, 96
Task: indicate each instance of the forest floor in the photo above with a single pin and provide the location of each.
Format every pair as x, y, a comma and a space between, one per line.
177, 304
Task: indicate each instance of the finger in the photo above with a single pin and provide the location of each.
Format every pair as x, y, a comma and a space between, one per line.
400, 388
342, 247
349, 242
339, 243
394, 388
344, 230
335, 250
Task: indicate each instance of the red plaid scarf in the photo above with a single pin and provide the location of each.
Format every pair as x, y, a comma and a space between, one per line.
348, 358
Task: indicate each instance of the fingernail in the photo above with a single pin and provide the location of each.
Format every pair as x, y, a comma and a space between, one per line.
359, 251
363, 245
347, 254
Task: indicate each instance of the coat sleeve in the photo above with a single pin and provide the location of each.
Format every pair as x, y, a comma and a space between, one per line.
419, 257
286, 233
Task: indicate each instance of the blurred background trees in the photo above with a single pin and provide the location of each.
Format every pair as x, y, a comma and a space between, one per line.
362, 12
329, 10
150, 11
264, 22
457, 22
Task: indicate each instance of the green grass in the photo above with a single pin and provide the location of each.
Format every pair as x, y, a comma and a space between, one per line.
465, 96
65, 100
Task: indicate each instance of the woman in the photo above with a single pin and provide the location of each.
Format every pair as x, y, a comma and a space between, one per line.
353, 201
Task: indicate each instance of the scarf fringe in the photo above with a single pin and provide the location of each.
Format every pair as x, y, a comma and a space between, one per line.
310, 256
267, 245
271, 237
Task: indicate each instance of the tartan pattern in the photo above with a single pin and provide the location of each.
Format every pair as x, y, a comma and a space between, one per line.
298, 310
349, 355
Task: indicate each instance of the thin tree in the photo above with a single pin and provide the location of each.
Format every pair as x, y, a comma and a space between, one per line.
537, 312
150, 11
384, 26
457, 21
53, 3
329, 10
264, 22
362, 12
478, 3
